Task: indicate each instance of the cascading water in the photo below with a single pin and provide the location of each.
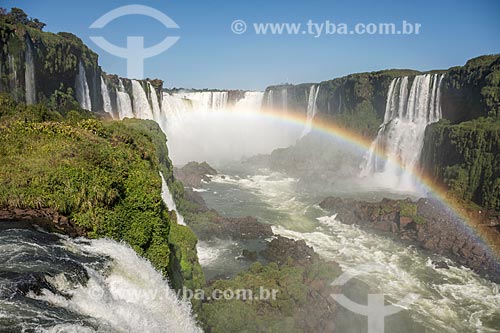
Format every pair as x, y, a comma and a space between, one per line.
123, 102
251, 101
154, 103
401, 136
142, 109
52, 283
206, 100
29, 75
82, 88
284, 99
169, 200
269, 99
311, 109
106, 99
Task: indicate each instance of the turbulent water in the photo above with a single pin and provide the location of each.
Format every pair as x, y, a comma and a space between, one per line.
82, 88
401, 136
449, 300
50, 283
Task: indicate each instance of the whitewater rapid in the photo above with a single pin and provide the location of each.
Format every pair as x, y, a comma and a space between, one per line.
83, 286
449, 300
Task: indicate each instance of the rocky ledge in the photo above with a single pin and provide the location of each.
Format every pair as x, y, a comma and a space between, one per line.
45, 218
194, 173
426, 222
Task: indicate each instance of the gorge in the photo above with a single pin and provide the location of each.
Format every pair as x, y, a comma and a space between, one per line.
295, 194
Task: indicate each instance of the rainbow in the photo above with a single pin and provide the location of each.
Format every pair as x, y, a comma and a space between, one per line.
432, 189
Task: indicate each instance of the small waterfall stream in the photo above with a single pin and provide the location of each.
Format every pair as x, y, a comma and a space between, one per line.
82, 88
154, 103
106, 99
311, 109
29, 74
123, 102
142, 109
169, 200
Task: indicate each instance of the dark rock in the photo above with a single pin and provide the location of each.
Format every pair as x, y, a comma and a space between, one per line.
196, 198
45, 218
249, 255
438, 230
441, 264
281, 248
193, 173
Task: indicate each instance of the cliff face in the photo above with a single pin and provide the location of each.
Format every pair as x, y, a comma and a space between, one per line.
37, 66
81, 175
461, 151
472, 90
56, 59
466, 158
356, 101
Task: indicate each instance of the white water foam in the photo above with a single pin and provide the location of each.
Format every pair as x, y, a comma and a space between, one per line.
169, 200
132, 297
401, 136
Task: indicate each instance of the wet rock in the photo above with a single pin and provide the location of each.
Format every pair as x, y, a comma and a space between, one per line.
45, 218
193, 173
441, 264
426, 222
281, 248
249, 255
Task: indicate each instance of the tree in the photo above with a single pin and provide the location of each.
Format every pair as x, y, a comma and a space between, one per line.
18, 15
36, 24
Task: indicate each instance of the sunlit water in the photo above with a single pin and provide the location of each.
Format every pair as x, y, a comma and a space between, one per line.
50, 283
449, 300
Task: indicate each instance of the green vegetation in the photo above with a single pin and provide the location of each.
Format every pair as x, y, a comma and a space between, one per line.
297, 306
104, 176
409, 209
473, 90
56, 57
467, 158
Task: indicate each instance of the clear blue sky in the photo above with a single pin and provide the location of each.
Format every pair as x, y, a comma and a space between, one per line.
209, 55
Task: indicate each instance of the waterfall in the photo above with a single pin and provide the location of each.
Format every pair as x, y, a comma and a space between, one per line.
169, 200
154, 103
284, 99
106, 99
142, 109
269, 99
29, 74
123, 102
82, 88
401, 136
251, 101
311, 109
84, 285
206, 100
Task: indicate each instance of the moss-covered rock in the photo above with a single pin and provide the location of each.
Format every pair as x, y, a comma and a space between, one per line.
103, 175
466, 158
